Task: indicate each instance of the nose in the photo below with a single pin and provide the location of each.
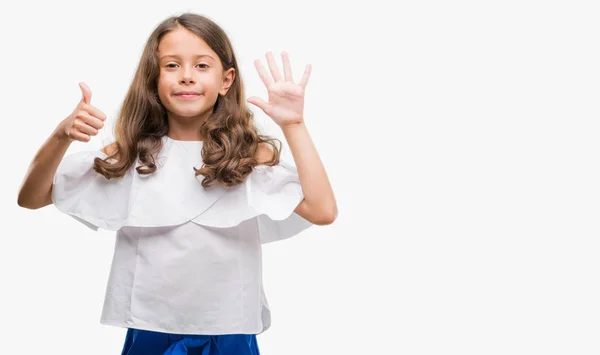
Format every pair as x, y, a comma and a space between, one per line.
186, 76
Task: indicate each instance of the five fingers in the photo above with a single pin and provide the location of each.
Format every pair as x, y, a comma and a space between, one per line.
276, 75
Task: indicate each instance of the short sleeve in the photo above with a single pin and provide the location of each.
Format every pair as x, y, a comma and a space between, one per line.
270, 194
85, 195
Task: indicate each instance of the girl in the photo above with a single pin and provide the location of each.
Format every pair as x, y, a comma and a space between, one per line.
191, 189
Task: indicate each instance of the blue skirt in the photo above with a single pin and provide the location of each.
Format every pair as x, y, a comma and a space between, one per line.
145, 342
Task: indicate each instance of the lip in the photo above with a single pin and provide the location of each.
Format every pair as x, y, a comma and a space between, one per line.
187, 95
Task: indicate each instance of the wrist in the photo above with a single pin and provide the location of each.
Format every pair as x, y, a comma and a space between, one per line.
59, 134
290, 127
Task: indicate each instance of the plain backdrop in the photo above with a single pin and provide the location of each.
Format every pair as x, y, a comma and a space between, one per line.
461, 140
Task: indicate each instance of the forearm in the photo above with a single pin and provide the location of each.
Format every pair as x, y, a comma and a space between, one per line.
35, 191
316, 187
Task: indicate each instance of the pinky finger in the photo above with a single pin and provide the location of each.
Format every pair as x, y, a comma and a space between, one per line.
304, 81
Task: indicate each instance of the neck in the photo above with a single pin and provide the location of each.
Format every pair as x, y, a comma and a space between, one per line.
186, 128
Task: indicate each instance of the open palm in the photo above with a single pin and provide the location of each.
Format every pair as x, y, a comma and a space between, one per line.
286, 98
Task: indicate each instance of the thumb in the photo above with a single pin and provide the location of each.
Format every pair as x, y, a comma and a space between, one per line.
256, 101
86, 93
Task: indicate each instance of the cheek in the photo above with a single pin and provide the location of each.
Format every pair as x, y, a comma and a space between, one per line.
161, 93
213, 84
164, 88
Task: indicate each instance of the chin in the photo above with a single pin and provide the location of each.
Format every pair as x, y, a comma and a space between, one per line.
187, 113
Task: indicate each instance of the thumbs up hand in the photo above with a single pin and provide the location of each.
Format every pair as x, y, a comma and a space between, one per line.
84, 121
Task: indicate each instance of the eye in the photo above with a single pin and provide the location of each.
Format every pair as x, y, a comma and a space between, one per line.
172, 65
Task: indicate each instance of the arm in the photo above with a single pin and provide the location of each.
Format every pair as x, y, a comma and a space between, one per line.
319, 205
36, 190
85, 121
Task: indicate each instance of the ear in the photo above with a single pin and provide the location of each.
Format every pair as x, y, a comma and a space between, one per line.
228, 78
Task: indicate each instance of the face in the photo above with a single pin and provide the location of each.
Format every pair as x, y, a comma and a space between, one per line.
191, 76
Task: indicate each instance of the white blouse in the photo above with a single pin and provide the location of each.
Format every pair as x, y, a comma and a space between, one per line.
187, 260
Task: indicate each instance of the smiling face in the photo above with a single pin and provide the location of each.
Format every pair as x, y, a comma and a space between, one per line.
191, 77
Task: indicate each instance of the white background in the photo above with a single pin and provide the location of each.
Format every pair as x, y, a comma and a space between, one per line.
461, 139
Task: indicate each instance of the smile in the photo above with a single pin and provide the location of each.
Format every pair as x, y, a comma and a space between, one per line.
187, 96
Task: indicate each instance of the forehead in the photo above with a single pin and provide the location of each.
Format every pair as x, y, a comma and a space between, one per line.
182, 43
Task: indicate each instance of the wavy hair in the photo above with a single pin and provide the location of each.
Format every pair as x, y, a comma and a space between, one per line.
230, 138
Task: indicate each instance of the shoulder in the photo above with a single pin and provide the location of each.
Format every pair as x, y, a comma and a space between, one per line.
264, 153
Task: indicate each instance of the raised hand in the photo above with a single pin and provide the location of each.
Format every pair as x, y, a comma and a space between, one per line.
84, 121
286, 99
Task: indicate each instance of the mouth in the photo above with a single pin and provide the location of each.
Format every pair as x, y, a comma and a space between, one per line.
187, 95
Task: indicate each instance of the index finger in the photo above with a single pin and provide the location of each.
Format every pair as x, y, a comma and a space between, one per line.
304, 80
94, 111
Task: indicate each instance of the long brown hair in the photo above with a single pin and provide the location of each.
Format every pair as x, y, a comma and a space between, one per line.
230, 138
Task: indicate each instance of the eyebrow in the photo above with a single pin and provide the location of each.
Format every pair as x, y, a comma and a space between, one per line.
176, 56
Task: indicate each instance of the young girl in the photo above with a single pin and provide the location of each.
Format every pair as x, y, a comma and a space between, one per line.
191, 189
